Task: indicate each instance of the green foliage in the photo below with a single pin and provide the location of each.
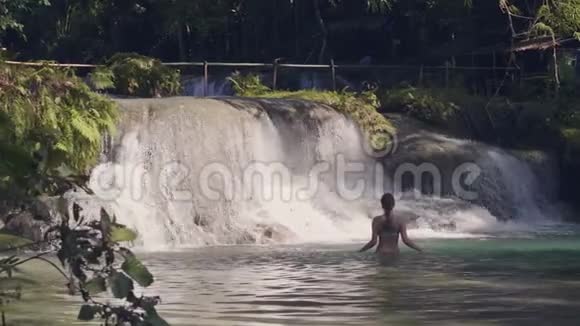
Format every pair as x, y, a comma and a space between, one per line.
121, 285
562, 17
423, 104
102, 78
498, 119
96, 285
97, 262
121, 234
11, 12
248, 85
133, 267
567, 124
362, 108
88, 312
136, 75
51, 124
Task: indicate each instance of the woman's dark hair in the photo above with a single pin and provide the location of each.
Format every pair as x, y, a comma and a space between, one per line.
388, 202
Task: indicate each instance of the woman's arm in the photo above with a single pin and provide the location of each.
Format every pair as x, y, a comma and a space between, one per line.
374, 236
406, 239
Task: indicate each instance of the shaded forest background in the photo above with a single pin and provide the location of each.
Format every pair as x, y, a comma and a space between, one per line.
301, 31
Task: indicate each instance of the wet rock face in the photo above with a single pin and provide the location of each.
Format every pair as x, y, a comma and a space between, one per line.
25, 225
28, 218
275, 233
507, 180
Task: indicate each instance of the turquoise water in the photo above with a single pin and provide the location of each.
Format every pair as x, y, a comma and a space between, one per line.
505, 281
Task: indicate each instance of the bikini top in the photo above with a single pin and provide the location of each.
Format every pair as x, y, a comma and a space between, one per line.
388, 229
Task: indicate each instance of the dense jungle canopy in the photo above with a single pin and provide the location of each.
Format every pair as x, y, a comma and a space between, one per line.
305, 31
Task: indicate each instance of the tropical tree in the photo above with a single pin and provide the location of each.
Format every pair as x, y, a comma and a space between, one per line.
12, 12
554, 19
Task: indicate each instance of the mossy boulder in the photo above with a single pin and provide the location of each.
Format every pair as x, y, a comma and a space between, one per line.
362, 108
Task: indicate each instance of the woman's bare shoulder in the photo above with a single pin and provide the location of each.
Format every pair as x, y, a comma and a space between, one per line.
378, 219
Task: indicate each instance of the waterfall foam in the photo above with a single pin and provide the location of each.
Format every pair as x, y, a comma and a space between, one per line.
193, 172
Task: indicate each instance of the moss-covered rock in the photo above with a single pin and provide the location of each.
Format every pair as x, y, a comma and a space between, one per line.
361, 108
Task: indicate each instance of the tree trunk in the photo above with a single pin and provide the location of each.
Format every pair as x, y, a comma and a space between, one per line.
323, 31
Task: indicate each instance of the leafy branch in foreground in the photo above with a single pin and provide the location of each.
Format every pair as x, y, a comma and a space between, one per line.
93, 262
96, 261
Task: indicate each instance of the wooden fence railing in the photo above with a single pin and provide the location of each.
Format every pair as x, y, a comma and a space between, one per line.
276, 65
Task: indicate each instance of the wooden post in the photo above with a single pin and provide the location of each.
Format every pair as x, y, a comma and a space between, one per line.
446, 74
420, 83
205, 78
275, 74
333, 74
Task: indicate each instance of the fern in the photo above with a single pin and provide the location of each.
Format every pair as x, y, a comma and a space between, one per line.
136, 75
542, 30
102, 78
51, 119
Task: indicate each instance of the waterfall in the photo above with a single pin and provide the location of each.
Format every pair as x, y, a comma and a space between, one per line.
193, 172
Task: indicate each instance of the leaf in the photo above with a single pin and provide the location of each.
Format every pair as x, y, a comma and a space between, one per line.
134, 268
105, 223
88, 312
121, 285
8, 241
96, 285
153, 318
121, 233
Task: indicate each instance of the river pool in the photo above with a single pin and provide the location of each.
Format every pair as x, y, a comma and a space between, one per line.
488, 281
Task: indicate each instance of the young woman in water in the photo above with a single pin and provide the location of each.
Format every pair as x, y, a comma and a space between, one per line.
387, 229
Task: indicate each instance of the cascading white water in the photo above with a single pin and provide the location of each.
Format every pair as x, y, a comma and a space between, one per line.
186, 172
195, 172
194, 86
